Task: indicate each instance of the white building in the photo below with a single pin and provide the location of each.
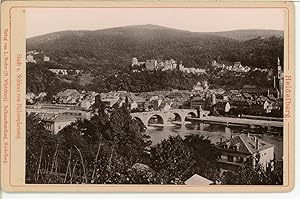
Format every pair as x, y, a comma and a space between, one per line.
245, 150
46, 59
59, 71
135, 61
56, 122
30, 59
30, 97
198, 87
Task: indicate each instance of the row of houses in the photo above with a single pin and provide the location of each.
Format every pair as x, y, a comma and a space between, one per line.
236, 67
157, 64
245, 107
32, 98
219, 101
60, 71
31, 56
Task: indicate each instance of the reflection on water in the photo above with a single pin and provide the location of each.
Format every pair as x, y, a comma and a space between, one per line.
216, 132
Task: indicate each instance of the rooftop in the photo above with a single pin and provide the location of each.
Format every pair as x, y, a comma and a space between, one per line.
52, 117
246, 144
198, 180
68, 92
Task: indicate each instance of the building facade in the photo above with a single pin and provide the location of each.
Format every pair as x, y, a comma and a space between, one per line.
151, 64
56, 122
245, 150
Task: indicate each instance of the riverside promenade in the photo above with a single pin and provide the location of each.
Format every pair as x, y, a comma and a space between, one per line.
238, 121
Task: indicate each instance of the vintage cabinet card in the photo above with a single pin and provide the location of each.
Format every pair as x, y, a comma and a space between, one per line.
152, 96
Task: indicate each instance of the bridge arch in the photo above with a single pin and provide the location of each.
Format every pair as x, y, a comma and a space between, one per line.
177, 117
138, 119
155, 119
184, 113
192, 114
162, 117
142, 124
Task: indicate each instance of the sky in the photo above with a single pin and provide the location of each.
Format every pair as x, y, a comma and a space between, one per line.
46, 20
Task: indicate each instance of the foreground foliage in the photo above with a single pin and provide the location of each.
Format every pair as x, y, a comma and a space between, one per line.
112, 148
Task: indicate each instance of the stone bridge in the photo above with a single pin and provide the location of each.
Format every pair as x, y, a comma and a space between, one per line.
164, 116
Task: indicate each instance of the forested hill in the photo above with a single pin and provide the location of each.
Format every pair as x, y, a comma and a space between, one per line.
111, 49
104, 53
247, 34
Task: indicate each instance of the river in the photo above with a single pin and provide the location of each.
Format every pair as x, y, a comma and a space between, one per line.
217, 131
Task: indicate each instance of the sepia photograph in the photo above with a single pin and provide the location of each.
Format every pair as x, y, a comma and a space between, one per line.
184, 96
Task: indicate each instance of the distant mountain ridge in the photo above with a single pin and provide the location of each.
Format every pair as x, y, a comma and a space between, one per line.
247, 34
239, 34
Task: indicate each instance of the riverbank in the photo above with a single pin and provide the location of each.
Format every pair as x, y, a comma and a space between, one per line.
238, 121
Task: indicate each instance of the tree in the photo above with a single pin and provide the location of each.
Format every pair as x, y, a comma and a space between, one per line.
205, 155
246, 175
173, 160
39, 148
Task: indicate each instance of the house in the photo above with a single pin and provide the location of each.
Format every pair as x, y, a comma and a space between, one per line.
133, 105
164, 105
134, 61
221, 107
234, 95
237, 66
85, 104
240, 106
176, 94
257, 109
155, 97
139, 100
42, 95
56, 122
200, 71
198, 87
69, 96
247, 96
30, 59
151, 64
30, 97
198, 180
110, 100
259, 91
138, 104
180, 67
46, 59
197, 102
59, 71
168, 65
267, 105
68, 92
245, 150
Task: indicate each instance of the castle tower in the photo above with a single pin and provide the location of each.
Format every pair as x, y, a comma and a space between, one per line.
280, 78
134, 61
213, 100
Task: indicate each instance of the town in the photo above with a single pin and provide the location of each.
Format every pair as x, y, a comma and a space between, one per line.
158, 96
250, 106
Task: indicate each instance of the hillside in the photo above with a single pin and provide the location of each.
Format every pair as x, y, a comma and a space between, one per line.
104, 53
112, 48
244, 35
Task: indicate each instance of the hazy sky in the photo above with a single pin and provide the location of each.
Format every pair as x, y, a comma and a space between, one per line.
45, 20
